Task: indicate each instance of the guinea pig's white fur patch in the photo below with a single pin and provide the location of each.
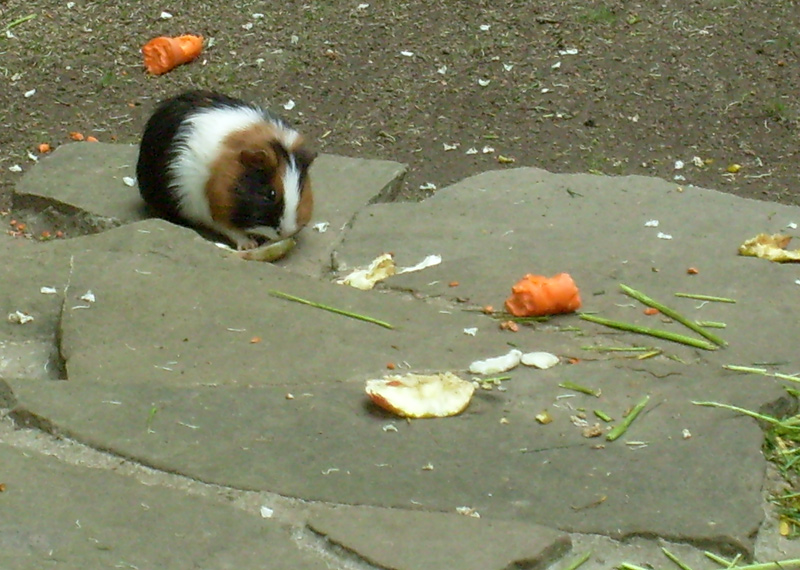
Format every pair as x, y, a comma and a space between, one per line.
200, 141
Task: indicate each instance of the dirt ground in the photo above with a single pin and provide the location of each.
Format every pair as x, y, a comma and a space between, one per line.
700, 92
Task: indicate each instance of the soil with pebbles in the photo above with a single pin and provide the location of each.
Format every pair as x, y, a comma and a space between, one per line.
699, 92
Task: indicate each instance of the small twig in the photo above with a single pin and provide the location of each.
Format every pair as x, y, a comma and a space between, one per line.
675, 559
578, 388
711, 324
627, 421
762, 371
673, 314
618, 348
752, 414
331, 309
603, 416
721, 561
705, 297
650, 354
658, 333
18, 21
775, 565
627, 566
575, 564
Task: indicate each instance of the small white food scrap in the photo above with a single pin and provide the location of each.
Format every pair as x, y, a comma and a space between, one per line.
497, 364
429, 261
19, 318
468, 511
472, 331
421, 396
88, 297
48, 291
129, 181
542, 360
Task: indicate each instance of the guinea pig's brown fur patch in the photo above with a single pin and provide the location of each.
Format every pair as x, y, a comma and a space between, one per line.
254, 145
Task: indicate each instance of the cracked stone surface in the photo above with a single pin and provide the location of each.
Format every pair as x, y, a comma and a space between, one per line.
185, 362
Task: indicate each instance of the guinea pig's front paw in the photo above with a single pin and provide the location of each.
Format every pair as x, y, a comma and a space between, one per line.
246, 243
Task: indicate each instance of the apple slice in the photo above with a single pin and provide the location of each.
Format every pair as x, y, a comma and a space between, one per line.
421, 396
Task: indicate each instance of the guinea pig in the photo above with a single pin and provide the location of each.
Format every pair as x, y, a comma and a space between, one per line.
220, 163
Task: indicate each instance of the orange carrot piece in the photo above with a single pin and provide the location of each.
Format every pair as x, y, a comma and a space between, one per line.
650, 311
91, 139
44, 147
76, 136
536, 296
163, 54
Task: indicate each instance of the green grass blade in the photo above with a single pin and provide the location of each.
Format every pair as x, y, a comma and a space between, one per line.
672, 313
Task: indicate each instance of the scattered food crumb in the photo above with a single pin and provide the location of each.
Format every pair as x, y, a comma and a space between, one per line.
509, 326
692, 271
20, 318
544, 417
592, 431
468, 511
255, 340
650, 311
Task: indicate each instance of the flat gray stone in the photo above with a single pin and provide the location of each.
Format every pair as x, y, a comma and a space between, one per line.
172, 308
416, 540
81, 186
83, 181
69, 517
185, 362
493, 228
328, 443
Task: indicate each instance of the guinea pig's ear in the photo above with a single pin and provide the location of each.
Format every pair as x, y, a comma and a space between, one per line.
305, 156
261, 158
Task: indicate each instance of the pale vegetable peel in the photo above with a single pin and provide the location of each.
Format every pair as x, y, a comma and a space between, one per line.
421, 396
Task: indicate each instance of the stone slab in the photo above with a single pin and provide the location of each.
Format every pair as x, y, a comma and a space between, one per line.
328, 443
184, 361
57, 515
80, 186
417, 540
174, 309
493, 228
